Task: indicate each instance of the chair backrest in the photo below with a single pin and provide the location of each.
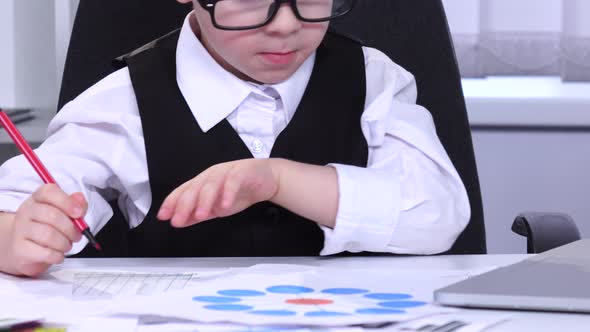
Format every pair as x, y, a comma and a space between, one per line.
413, 33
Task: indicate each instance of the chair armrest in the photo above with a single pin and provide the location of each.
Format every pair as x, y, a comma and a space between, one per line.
545, 231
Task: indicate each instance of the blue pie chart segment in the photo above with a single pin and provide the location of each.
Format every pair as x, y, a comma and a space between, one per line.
286, 289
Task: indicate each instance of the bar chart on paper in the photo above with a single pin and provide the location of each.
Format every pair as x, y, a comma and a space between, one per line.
92, 285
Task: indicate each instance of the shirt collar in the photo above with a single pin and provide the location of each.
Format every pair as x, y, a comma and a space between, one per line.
291, 91
212, 93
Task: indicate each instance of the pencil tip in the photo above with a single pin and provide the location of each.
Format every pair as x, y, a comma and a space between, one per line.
91, 239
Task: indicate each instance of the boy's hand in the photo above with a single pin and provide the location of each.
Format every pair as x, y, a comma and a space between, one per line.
221, 190
42, 231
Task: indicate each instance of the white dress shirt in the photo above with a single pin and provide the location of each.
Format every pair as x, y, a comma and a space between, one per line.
409, 198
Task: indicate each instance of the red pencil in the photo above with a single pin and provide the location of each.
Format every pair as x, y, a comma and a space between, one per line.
24, 147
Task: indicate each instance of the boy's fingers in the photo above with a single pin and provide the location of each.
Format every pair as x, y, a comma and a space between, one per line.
230, 192
185, 205
80, 199
32, 270
48, 237
207, 197
36, 258
169, 205
51, 194
47, 214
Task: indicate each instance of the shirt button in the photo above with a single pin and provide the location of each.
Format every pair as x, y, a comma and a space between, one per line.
257, 146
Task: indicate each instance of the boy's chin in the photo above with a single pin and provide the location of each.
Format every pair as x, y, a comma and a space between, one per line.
272, 78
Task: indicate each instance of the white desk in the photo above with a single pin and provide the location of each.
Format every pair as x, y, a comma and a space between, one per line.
522, 321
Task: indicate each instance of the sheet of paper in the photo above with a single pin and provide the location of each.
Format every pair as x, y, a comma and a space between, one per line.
463, 321
78, 293
313, 297
176, 327
72, 275
260, 295
90, 285
95, 324
163, 324
467, 321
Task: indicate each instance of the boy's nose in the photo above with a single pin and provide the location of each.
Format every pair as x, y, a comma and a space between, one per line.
284, 21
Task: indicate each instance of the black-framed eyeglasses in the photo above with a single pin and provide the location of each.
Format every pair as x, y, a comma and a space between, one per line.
252, 14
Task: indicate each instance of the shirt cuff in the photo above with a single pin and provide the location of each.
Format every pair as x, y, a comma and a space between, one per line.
368, 210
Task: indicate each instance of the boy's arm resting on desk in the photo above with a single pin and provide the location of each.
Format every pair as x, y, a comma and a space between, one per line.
409, 199
228, 188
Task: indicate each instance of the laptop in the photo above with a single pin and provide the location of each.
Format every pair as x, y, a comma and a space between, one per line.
556, 280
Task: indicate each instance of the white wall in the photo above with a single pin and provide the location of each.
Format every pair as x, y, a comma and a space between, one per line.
575, 18
28, 54
522, 15
34, 35
521, 171
7, 95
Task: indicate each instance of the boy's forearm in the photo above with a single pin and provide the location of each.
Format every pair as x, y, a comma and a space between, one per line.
308, 190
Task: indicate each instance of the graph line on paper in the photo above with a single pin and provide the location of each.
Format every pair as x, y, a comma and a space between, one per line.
92, 285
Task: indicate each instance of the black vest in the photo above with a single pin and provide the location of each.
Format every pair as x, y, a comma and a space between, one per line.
325, 129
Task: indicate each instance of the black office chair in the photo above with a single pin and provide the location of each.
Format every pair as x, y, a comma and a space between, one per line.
413, 33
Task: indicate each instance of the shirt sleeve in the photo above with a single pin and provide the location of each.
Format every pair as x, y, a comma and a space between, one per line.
409, 199
91, 147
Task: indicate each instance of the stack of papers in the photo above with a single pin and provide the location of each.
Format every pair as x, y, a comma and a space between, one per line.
259, 298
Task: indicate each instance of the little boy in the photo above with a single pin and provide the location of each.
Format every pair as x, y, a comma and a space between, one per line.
250, 132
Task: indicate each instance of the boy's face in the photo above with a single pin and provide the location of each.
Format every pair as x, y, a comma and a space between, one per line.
270, 54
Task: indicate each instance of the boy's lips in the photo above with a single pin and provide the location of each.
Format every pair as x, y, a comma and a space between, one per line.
278, 58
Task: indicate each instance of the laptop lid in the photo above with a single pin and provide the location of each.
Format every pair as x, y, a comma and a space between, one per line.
556, 280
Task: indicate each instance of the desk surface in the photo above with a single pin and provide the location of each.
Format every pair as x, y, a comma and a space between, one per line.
521, 321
